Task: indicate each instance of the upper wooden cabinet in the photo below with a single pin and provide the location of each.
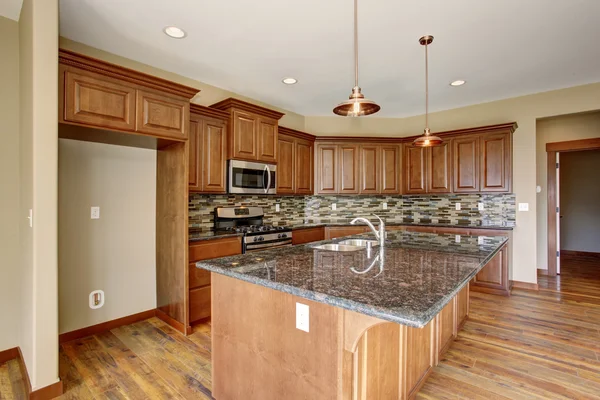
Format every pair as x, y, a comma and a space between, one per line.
466, 164
496, 162
105, 96
427, 170
327, 169
208, 150
253, 131
348, 157
415, 170
370, 169
390, 169
296, 160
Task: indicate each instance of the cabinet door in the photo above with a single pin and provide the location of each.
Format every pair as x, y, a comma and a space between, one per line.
465, 152
286, 169
267, 140
304, 167
214, 162
494, 276
199, 303
162, 115
348, 169
97, 100
495, 162
327, 167
414, 170
195, 156
438, 169
370, 172
390, 169
245, 136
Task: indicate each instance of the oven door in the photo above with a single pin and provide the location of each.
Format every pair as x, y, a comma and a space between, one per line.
252, 178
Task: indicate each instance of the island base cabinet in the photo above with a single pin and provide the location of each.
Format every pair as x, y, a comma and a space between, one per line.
259, 354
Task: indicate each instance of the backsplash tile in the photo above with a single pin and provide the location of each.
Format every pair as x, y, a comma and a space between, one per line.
499, 209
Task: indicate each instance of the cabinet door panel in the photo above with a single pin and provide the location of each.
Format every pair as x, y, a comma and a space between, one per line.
415, 170
495, 163
462, 307
199, 303
162, 116
348, 169
439, 169
286, 169
390, 169
420, 350
465, 153
195, 158
245, 128
97, 100
327, 167
267, 140
369, 169
215, 156
446, 328
304, 167
495, 274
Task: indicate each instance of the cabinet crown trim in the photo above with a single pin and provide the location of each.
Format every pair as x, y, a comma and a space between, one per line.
297, 134
231, 103
207, 111
67, 57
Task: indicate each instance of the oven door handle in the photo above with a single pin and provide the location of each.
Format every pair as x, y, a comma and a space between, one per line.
268, 170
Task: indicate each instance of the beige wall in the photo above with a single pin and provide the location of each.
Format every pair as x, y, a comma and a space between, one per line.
10, 271
115, 253
38, 44
208, 94
580, 201
557, 129
525, 111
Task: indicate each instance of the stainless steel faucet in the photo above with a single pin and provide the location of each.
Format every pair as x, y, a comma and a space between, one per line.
379, 233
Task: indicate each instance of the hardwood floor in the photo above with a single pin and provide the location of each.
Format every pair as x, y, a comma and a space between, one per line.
532, 345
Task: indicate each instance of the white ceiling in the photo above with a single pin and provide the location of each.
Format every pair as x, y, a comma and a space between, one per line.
11, 9
502, 48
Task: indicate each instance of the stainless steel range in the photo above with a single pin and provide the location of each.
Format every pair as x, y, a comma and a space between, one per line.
249, 222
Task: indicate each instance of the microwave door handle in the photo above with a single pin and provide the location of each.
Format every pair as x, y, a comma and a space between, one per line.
268, 179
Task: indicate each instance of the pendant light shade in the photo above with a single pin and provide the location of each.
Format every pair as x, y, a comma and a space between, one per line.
356, 105
427, 140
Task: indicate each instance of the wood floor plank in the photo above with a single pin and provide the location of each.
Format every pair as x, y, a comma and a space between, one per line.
6, 391
17, 383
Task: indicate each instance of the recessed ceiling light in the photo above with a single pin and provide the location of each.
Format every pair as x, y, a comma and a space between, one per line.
175, 32
459, 82
289, 81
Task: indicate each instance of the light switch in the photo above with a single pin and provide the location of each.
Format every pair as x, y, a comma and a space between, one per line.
302, 320
384, 205
95, 213
457, 206
480, 206
333, 206
480, 239
457, 238
523, 206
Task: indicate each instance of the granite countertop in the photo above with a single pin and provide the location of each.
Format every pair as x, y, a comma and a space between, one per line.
436, 225
409, 281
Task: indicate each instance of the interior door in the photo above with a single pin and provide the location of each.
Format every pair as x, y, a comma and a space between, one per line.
557, 212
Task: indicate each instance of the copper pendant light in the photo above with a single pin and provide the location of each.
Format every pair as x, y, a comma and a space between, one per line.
427, 140
356, 105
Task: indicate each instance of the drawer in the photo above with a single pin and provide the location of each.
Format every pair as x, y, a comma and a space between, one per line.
198, 277
208, 249
301, 236
199, 303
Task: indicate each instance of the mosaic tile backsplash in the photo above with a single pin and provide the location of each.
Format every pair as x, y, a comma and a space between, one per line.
498, 209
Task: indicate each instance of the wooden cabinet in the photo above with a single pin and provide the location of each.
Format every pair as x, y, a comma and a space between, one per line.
101, 95
295, 165
199, 280
348, 169
301, 236
253, 131
390, 169
439, 167
332, 232
370, 169
208, 150
327, 169
496, 162
493, 278
466, 164
414, 170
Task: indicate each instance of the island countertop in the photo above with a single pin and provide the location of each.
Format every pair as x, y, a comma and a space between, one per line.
409, 281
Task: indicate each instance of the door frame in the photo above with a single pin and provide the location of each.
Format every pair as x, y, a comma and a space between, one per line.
552, 149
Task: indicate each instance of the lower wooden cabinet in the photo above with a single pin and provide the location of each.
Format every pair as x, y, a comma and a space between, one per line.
332, 232
199, 279
301, 236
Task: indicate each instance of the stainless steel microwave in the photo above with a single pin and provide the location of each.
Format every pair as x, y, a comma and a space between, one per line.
252, 178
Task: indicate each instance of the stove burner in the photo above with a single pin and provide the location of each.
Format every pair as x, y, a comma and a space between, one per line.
255, 228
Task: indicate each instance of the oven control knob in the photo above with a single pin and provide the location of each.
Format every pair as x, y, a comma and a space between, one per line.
282, 235
255, 238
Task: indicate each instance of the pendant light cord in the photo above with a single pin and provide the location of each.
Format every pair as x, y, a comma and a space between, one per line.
355, 43
426, 91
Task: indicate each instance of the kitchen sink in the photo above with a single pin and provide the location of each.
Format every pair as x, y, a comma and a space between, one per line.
359, 242
337, 247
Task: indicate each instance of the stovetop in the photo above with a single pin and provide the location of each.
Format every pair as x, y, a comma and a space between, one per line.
255, 229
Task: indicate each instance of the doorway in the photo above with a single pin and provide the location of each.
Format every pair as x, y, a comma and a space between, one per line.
578, 185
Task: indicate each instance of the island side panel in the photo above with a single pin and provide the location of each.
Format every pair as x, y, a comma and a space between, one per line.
259, 354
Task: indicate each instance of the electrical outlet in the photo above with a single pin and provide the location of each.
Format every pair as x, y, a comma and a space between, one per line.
277, 209
384, 205
457, 206
333, 206
302, 319
480, 206
457, 238
30, 218
480, 239
523, 206
95, 213
96, 299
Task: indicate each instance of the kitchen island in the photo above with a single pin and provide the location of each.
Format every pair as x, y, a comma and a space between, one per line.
379, 318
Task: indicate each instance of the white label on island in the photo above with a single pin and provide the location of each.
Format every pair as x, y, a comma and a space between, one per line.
302, 317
